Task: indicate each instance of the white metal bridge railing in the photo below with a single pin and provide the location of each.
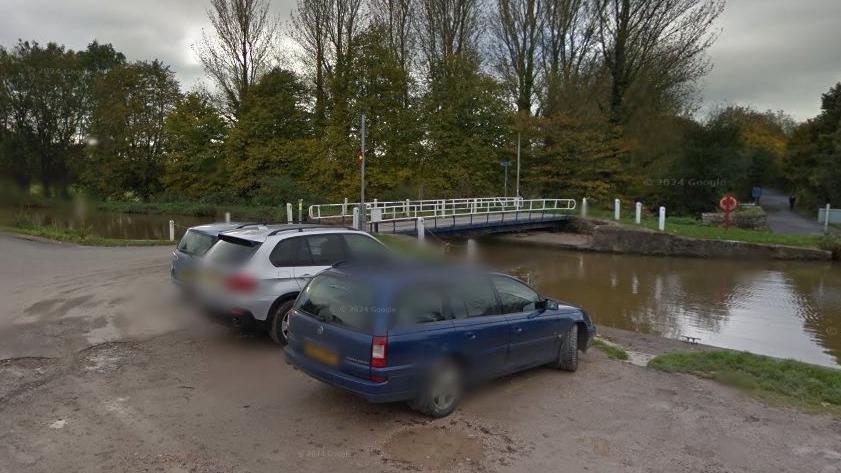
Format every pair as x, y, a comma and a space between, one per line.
432, 208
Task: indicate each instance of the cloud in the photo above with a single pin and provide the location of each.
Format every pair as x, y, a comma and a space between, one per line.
775, 54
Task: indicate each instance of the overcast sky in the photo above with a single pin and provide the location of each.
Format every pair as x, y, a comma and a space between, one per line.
771, 54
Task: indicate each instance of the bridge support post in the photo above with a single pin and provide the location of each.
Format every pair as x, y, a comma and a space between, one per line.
406, 208
638, 216
662, 223
584, 207
421, 231
288, 212
172, 230
227, 217
616, 206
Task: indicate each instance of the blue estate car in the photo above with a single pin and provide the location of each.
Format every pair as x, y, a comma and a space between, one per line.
399, 333
192, 246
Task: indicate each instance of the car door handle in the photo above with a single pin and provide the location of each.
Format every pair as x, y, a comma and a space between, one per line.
518, 329
470, 335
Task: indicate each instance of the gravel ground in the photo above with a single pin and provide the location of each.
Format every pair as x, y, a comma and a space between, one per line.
105, 369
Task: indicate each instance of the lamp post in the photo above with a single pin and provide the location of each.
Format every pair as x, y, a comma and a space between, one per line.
362, 223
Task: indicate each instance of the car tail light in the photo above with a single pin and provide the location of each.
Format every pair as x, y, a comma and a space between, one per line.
379, 348
241, 283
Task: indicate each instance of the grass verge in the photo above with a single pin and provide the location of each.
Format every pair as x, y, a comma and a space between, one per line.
788, 382
693, 228
611, 350
78, 237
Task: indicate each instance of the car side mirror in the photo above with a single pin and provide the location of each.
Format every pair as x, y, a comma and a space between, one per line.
545, 304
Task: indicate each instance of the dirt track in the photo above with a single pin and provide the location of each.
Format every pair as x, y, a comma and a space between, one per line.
105, 370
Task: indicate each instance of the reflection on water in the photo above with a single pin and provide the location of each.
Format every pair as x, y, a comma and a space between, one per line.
112, 224
782, 309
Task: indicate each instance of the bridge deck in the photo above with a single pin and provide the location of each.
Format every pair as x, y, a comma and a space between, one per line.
468, 223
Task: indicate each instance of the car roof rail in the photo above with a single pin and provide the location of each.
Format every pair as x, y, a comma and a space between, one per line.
297, 228
248, 224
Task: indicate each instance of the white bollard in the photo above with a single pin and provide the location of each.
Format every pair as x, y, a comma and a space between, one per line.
584, 207
344, 207
616, 205
356, 217
406, 207
826, 219
662, 223
172, 230
288, 212
227, 217
638, 216
471, 250
421, 231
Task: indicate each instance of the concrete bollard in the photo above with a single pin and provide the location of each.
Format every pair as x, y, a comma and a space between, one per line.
616, 206
344, 207
826, 219
471, 250
172, 230
638, 215
584, 207
227, 217
356, 218
421, 230
661, 224
288, 212
406, 207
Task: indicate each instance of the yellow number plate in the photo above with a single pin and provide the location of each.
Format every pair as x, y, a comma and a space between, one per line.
321, 354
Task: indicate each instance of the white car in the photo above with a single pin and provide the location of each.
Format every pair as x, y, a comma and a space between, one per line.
255, 274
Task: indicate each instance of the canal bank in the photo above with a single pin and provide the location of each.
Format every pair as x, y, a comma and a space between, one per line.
604, 236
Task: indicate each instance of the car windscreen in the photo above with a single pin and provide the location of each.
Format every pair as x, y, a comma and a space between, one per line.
195, 243
232, 251
339, 301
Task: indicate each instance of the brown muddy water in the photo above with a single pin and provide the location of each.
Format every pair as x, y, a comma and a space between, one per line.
108, 224
782, 309
775, 308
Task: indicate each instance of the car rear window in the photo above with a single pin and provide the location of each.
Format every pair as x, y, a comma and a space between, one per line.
339, 301
195, 243
232, 251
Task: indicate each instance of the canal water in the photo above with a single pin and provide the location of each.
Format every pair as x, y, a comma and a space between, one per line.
781, 309
109, 224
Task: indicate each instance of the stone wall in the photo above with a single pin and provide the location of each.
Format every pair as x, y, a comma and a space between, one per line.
751, 220
617, 239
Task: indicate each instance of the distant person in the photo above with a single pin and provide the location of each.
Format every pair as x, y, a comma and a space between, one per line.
791, 201
756, 193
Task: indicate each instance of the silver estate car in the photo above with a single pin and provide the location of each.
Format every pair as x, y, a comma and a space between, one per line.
254, 274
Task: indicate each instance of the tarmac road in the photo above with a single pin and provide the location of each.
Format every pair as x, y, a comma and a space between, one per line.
105, 369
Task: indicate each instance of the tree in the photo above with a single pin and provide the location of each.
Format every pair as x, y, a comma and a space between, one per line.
194, 135
568, 58
448, 28
260, 145
662, 41
813, 160
395, 17
241, 49
466, 118
127, 129
518, 28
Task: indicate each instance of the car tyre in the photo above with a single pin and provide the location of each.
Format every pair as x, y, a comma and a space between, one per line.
279, 328
568, 353
441, 392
